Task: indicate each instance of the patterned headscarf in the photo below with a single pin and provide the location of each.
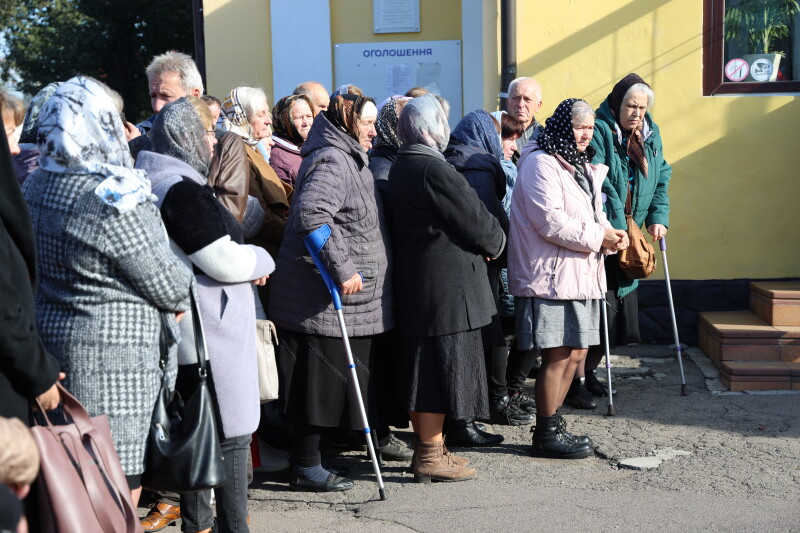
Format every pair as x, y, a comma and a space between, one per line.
178, 132
558, 137
477, 128
282, 124
81, 132
344, 110
386, 125
423, 121
30, 125
236, 119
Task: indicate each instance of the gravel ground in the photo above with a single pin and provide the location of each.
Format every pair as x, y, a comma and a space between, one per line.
725, 461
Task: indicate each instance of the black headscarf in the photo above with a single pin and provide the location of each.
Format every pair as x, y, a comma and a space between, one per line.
178, 131
558, 137
619, 90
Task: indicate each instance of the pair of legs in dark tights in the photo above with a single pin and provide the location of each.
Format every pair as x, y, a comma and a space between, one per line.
508, 369
306, 457
554, 377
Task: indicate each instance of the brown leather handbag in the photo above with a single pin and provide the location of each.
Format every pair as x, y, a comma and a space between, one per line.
81, 484
638, 260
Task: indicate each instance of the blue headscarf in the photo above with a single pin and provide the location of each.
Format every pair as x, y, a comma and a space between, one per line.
478, 129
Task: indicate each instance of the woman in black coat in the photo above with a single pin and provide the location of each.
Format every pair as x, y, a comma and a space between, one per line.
442, 236
27, 370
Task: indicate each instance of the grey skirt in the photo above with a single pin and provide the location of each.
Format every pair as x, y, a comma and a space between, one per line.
543, 323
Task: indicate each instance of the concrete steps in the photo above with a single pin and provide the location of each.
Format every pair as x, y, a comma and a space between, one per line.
757, 349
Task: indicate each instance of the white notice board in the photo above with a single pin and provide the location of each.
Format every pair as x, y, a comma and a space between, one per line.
384, 69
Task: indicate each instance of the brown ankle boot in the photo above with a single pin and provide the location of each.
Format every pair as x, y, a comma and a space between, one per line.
432, 465
460, 461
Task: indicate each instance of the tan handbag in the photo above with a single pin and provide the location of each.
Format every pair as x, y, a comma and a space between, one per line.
266, 340
638, 260
81, 484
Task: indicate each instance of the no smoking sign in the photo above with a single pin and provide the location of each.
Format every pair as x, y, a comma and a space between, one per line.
736, 69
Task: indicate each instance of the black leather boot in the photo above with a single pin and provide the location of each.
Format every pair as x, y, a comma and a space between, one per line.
505, 412
580, 439
463, 433
596, 387
579, 396
551, 440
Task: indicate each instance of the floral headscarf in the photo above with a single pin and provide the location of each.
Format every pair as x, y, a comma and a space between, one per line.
236, 119
477, 128
178, 132
282, 123
558, 137
386, 125
81, 132
345, 109
423, 121
30, 124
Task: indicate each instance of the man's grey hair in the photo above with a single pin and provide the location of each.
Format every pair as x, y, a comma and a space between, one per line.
517, 81
581, 110
641, 88
179, 63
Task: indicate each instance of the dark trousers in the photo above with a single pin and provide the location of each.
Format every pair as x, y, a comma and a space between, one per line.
196, 512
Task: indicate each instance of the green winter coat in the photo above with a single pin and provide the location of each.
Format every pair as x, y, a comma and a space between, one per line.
649, 196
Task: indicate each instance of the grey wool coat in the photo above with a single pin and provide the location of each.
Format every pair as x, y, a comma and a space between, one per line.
104, 279
335, 187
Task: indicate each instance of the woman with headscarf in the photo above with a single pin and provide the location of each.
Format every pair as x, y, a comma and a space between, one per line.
475, 151
385, 146
627, 141
247, 114
291, 122
105, 265
210, 239
559, 235
442, 236
27, 160
334, 188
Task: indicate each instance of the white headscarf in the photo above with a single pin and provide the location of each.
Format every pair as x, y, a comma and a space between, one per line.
81, 132
423, 121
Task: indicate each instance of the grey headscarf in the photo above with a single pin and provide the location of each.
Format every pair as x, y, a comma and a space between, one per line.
423, 121
31, 124
178, 132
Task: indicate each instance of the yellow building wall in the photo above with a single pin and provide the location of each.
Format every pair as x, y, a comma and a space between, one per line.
351, 22
238, 45
735, 193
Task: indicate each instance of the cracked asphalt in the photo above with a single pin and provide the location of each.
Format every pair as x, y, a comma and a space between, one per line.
730, 461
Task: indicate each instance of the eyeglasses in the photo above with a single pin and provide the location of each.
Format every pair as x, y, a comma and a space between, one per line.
211, 133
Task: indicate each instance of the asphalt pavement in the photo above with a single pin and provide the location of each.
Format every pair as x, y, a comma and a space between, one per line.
709, 461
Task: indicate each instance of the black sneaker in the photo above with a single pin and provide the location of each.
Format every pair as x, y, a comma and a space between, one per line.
523, 401
504, 411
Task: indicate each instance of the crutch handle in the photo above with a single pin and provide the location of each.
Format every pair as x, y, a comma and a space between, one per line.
662, 243
314, 241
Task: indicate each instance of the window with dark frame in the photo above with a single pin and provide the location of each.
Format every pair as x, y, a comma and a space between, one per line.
751, 46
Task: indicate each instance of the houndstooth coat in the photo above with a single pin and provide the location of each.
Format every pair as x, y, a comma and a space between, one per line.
105, 275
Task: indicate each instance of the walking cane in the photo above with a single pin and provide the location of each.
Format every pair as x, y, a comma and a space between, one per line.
314, 241
662, 243
603, 304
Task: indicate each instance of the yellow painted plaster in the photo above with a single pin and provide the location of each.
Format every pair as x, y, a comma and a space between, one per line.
238, 45
351, 22
735, 193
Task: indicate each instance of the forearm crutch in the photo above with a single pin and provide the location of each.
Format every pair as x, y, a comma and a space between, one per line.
662, 243
314, 241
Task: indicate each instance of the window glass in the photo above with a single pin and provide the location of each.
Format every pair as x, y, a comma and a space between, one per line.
761, 41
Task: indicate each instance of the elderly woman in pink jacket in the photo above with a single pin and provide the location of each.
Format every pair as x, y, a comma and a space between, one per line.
557, 239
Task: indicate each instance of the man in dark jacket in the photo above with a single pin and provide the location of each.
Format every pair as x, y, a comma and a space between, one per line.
27, 371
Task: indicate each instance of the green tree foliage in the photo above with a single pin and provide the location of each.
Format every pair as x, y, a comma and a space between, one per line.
111, 40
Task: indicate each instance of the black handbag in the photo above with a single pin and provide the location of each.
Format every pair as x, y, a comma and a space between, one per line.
183, 448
